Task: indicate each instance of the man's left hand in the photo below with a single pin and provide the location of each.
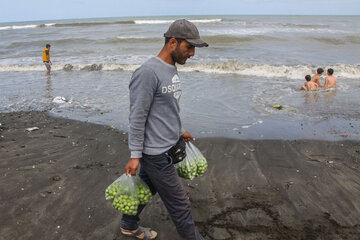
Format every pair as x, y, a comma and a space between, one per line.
187, 137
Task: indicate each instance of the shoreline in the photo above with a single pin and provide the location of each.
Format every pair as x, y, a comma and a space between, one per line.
54, 178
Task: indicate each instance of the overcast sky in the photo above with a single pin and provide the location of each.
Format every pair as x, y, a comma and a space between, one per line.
27, 10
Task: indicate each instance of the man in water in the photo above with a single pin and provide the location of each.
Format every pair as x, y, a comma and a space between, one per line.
317, 77
309, 85
46, 58
155, 127
330, 80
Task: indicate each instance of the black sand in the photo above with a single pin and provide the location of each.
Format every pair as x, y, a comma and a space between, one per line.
52, 183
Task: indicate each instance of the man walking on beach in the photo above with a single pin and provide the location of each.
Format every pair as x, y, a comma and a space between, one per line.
155, 127
46, 58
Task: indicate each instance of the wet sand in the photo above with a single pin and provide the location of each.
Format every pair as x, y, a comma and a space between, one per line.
52, 183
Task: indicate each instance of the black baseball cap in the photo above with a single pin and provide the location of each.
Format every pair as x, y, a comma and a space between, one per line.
184, 29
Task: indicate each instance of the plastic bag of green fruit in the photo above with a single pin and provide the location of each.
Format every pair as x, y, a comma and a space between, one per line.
193, 165
200, 160
127, 193
143, 191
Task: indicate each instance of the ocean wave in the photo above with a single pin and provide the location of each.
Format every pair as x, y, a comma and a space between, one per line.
338, 41
16, 27
165, 21
270, 30
89, 24
84, 24
218, 39
53, 42
19, 27
264, 70
77, 24
351, 71
297, 25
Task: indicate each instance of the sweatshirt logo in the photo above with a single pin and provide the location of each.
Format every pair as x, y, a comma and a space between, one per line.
175, 87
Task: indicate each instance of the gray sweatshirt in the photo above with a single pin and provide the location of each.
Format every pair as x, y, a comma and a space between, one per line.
155, 124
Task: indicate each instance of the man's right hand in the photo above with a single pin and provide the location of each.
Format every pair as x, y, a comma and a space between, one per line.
132, 166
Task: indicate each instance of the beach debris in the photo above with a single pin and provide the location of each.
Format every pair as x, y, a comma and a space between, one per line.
111, 127
252, 150
32, 129
60, 136
93, 67
288, 185
56, 178
330, 161
68, 67
59, 100
249, 187
345, 135
278, 106
43, 195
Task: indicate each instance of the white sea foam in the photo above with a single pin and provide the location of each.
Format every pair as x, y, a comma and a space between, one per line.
5, 28
152, 21
19, 27
170, 21
266, 30
264, 70
130, 37
350, 71
15, 27
206, 20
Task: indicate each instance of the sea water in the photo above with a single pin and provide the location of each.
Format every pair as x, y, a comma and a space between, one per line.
228, 89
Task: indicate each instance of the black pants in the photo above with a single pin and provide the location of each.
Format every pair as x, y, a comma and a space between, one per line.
161, 177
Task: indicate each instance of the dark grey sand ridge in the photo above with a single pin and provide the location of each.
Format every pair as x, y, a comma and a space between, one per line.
52, 183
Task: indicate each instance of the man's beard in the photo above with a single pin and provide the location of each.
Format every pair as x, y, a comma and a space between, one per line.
177, 56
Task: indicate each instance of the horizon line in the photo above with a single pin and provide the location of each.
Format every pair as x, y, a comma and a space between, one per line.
200, 15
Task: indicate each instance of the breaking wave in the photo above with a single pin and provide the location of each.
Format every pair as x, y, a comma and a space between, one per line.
171, 20
259, 70
85, 24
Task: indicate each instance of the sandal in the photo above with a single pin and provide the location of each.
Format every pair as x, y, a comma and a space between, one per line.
147, 233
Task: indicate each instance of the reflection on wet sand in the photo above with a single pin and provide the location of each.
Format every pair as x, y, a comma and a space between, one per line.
329, 94
311, 97
48, 88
